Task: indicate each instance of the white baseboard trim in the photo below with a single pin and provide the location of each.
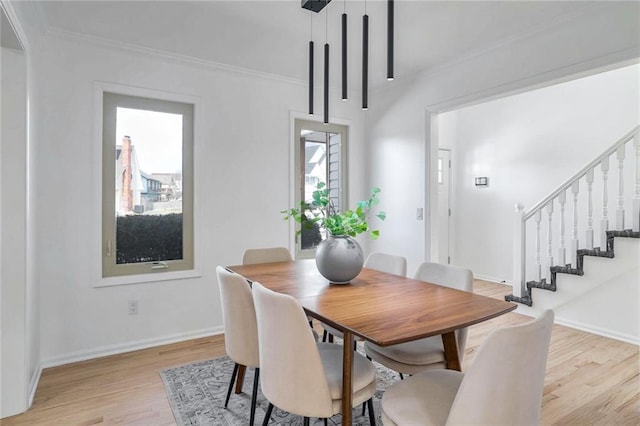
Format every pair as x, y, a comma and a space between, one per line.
492, 279
128, 347
533, 313
634, 340
33, 384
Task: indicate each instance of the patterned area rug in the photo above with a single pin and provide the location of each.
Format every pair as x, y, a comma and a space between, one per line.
197, 391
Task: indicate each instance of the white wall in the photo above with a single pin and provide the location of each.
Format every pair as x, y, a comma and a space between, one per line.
243, 154
528, 145
14, 353
399, 118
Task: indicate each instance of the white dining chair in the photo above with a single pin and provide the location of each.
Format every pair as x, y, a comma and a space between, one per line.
240, 329
384, 262
253, 256
503, 386
266, 255
418, 355
301, 376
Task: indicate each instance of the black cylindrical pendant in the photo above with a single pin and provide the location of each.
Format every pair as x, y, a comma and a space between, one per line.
389, 39
311, 77
344, 57
365, 61
326, 83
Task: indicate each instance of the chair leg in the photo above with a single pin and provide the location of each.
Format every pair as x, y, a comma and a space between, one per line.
306, 421
372, 415
355, 346
324, 336
233, 378
364, 407
254, 396
401, 376
325, 421
267, 416
330, 338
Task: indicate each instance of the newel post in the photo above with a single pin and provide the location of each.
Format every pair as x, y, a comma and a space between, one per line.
518, 282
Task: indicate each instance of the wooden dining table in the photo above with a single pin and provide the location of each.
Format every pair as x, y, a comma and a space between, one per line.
381, 308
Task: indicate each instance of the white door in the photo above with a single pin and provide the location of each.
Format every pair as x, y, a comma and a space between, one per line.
444, 210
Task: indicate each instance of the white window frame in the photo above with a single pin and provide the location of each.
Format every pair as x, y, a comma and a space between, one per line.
190, 270
298, 123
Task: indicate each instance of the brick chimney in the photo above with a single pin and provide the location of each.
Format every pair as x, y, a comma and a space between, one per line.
127, 191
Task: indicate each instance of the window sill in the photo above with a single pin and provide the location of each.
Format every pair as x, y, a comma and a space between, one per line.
146, 278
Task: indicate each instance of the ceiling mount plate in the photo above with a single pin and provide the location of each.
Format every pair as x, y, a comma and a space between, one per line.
315, 5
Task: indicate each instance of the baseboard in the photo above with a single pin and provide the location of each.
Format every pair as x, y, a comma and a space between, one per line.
599, 331
33, 384
128, 347
492, 279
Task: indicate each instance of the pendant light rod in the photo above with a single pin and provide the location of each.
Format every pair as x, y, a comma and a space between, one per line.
365, 61
344, 57
326, 83
326, 68
311, 77
390, 20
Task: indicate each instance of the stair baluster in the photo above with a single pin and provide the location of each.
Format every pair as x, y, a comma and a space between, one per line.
575, 243
550, 236
590, 209
604, 223
562, 251
538, 259
620, 154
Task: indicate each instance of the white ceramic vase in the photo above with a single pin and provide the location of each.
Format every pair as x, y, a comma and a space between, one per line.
339, 258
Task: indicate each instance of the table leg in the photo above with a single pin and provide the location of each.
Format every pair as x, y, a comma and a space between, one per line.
347, 373
240, 378
451, 351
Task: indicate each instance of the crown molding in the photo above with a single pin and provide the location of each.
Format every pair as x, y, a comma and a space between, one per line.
60, 33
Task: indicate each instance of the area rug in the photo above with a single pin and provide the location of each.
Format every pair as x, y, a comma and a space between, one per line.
196, 393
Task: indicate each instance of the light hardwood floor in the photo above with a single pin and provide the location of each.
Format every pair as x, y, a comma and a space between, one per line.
590, 380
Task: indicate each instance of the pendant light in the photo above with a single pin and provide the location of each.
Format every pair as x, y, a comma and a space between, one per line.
311, 68
344, 53
365, 58
326, 70
390, 39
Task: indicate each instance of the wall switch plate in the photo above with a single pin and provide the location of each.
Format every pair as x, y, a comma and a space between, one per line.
420, 213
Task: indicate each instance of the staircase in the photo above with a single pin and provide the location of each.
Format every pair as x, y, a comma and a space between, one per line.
535, 268
527, 299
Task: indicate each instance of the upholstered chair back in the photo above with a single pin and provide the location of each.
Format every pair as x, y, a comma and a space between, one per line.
388, 263
239, 317
287, 347
504, 384
266, 255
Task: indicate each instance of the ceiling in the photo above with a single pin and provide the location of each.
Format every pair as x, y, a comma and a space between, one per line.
8, 37
272, 36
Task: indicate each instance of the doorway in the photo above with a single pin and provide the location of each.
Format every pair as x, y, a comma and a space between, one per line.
444, 207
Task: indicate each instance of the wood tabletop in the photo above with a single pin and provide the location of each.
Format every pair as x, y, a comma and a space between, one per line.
382, 308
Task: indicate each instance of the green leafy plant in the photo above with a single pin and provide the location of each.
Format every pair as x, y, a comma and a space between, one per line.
321, 212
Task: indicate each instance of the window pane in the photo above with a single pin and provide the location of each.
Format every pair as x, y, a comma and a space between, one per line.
148, 187
319, 157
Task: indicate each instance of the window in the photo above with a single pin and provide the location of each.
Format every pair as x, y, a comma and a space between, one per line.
320, 157
147, 186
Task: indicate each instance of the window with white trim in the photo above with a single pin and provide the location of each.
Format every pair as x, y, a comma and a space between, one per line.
147, 185
320, 154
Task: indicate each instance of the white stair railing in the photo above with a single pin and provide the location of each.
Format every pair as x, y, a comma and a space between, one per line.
529, 266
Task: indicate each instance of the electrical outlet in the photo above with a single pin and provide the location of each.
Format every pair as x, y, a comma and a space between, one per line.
133, 307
